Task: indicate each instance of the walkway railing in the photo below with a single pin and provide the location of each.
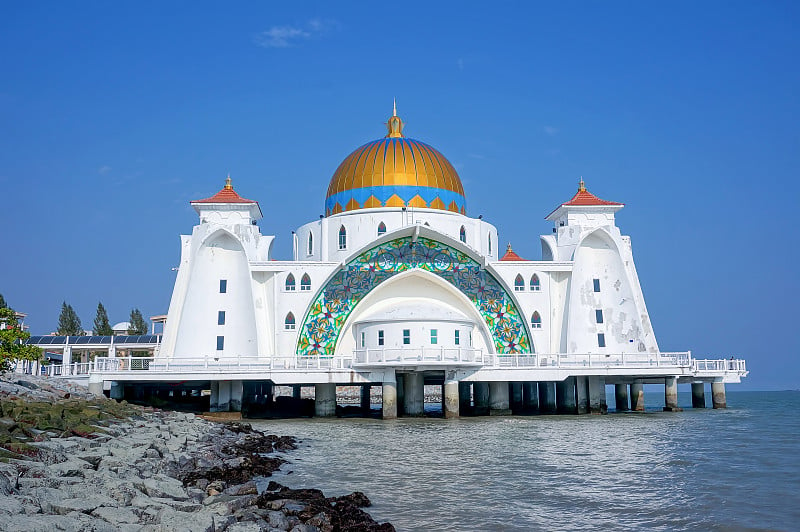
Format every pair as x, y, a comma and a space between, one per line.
397, 355
734, 365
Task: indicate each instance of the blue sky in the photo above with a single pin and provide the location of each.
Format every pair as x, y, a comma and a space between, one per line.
115, 115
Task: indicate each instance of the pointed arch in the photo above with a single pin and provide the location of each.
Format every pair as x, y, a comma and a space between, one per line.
490, 243
536, 320
535, 284
310, 243
381, 229
462, 234
305, 283
289, 323
290, 284
342, 237
519, 283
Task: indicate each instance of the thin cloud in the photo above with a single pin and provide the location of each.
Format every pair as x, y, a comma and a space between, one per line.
287, 36
460, 63
103, 170
550, 130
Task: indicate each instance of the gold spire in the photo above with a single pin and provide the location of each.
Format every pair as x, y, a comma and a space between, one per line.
395, 123
581, 185
508, 248
228, 185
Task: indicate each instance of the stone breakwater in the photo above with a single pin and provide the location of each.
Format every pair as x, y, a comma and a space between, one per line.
69, 461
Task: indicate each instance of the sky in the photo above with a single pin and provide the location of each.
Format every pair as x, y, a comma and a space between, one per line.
115, 115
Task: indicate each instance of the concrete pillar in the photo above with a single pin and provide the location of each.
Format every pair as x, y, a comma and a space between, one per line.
414, 389
498, 399
451, 399
698, 395
565, 396
515, 396
325, 399
389, 387
96, 388
220, 396
637, 395
400, 380
530, 397
366, 402
671, 395
582, 395
117, 391
621, 397
718, 395
597, 395
237, 393
464, 398
297, 392
480, 394
547, 397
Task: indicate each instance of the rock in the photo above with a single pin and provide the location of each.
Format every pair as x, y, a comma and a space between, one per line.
163, 486
80, 504
278, 520
248, 488
171, 520
116, 516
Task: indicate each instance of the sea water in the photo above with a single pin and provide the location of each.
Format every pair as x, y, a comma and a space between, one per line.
700, 469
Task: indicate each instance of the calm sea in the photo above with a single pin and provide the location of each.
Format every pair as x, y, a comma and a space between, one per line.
734, 469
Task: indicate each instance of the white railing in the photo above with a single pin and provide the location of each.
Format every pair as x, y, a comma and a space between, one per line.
395, 357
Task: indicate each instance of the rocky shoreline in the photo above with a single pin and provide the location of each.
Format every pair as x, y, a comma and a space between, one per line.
70, 461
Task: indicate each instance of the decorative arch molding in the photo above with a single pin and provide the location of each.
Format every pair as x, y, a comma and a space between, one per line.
326, 317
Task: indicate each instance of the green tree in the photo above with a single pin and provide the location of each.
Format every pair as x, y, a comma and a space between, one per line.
69, 324
12, 341
3, 303
101, 325
137, 324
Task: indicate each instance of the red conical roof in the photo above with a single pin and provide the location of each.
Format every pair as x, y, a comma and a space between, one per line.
583, 197
510, 255
226, 195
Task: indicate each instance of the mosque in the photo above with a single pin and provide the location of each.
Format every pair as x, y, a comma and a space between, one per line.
397, 287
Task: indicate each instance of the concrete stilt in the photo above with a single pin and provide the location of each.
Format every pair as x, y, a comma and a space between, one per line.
637, 395
621, 397
698, 395
530, 397
671, 395
480, 394
414, 390
297, 392
325, 399
451, 399
220, 396
464, 398
718, 399
582, 395
597, 395
389, 387
365, 398
547, 397
96, 388
236, 395
400, 381
117, 391
498, 399
565, 396
515, 396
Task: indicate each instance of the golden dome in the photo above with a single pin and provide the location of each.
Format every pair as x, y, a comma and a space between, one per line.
395, 171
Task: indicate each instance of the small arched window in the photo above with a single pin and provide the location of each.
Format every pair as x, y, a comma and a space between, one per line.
290, 283
536, 320
342, 238
288, 323
535, 286
305, 283
381, 229
310, 244
519, 283
462, 235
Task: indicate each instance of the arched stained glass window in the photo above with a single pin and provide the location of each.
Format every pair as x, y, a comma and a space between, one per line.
305, 283
535, 286
462, 234
290, 282
536, 320
381, 229
342, 238
519, 283
288, 323
310, 244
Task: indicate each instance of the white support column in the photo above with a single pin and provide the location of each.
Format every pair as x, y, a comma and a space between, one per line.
718, 398
414, 389
325, 399
236, 395
597, 395
637, 395
451, 398
498, 399
671, 395
389, 387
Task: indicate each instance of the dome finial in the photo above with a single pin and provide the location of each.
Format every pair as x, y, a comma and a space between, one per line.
508, 248
395, 123
581, 185
228, 185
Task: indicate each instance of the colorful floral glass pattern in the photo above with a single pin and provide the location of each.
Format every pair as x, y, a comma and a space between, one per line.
333, 305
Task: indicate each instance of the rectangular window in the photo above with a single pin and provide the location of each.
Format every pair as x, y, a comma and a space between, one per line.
221, 317
363, 338
434, 337
223, 286
220, 343
596, 283
601, 340
458, 337
598, 316
380, 337
406, 336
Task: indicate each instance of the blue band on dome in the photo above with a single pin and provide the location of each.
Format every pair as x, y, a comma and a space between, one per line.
383, 193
